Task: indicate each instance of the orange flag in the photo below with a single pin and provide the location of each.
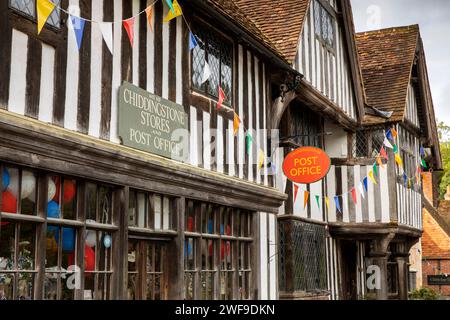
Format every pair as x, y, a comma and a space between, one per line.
129, 26
380, 163
394, 133
236, 123
149, 13
305, 198
383, 153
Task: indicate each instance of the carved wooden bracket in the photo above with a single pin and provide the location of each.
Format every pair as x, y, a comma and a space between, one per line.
279, 106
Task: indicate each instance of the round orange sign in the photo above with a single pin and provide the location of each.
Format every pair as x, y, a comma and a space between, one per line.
306, 165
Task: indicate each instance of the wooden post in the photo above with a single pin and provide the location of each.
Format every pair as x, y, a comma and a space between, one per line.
175, 250
120, 244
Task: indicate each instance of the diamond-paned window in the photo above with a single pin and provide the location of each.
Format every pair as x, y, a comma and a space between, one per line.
28, 8
324, 24
218, 52
368, 142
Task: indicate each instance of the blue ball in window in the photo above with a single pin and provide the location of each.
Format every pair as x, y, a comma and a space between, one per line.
53, 210
5, 179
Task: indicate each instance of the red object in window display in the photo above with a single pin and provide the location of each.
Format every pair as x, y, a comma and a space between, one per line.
56, 180
89, 258
69, 190
210, 249
228, 230
9, 204
222, 250
190, 224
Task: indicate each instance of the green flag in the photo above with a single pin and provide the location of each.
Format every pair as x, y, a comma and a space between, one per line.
395, 148
248, 142
317, 200
375, 169
424, 164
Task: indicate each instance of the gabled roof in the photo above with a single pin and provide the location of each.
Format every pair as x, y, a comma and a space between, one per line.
386, 57
280, 20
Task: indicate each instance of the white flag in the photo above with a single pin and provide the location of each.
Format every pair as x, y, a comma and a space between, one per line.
206, 73
107, 33
388, 144
361, 190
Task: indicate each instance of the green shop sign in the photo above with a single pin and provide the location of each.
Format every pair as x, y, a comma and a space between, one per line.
151, 123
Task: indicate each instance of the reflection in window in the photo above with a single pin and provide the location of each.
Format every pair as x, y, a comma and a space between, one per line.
28, 8
16, 181
17, 261
150, 211
62, 198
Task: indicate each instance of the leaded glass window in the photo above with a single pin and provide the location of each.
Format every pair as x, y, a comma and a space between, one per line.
307, 127
28, 8
218, 52
324, 24
368, 142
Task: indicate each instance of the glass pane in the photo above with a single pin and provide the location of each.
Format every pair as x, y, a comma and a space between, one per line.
132, 286
105, 205
166, 213
158, 257
91, 205
55, 16
10, 190
189, 281
132, 255
157, 204
214, 66
189, 255
6, 286
142, 209
190, 217
317, 18
69, 199
7, 248
132, 209
198, 65
51, 286
24, 6
226, 71
157, 286
28, 193
25, 286
103, 251
26, 247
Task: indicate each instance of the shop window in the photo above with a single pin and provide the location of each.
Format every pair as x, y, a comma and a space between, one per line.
218, 52
412, 280
367, 143
306, 127
304, 243
17, 261
219, 255
150, 211
27, 8
62, 198
15, 182
324, 24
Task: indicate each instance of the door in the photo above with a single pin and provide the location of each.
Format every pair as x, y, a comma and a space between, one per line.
147, 279
349, 290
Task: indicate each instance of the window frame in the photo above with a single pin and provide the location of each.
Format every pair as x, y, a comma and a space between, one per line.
323, 6
34, 18
223, 38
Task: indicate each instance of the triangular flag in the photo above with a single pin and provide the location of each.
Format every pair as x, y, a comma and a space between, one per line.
295, 192
206, 72
106, 28
149, 13
327, 202
129, 26
174, 12
380, 162
317, 201
409, 183
422, 151
361, 190
338, 205
424, 164
221, 98
395, 148
405, 179
261, 157
171, 6
248, 141
236, 123
353, 192
372, 178
389, 135
44, 10
387, 143
305, 199
365, 183
383, 153
394, 133
398, 160
78, 28
192, 41
375, 169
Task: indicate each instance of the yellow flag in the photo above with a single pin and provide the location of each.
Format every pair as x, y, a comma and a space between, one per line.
177, 10
260, 159
380, 163
44, 9
399, 160
372, 178
327, 202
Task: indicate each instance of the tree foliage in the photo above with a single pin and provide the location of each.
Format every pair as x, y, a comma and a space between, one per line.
444, 139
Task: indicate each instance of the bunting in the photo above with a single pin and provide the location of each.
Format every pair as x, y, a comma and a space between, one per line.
305, 199
261, 157
317, 201
78, 28
353, 192
128, 24
387, 143
405, 179
389, 135
361, 190
395, 148
149, 14
295, 192
106, 28
236, 123
221, 98
44, 10
338, 205
375, 169
171, 6
174, 12
394, 133
192, 41
206, 73
372, 178
398, 160
327, 202
383, 153
380, 162
424, 164
422, 152
248, 142
365, 183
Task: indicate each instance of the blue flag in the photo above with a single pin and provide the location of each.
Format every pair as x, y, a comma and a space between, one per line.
389, 135
78, 28
338, 204
192, 41
405, 179
422, 152
365, 183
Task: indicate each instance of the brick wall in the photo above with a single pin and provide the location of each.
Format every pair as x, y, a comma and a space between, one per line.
435, 241
433, 267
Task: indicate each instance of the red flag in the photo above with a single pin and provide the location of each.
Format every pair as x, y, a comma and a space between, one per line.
129, 26
383, 153
355, 200
295, 192
221, 98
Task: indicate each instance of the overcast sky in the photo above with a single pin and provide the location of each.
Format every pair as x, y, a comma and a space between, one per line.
433, 19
